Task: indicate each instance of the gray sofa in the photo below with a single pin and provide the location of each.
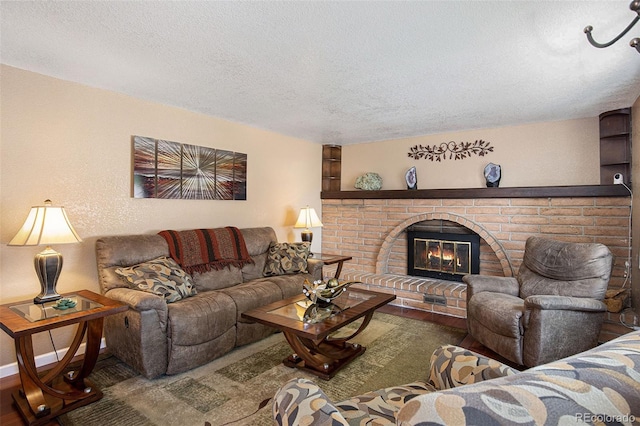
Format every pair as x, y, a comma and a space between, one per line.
156, 337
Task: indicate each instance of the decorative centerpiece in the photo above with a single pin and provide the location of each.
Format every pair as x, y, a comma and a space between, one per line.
64, 303
323, 294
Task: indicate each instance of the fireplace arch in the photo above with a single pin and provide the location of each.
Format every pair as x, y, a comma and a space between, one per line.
382, 260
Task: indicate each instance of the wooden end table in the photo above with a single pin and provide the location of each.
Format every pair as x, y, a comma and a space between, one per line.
330, 259
43, 397
316, 351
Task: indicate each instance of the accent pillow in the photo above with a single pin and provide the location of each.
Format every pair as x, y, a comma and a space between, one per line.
286, 258
161, 276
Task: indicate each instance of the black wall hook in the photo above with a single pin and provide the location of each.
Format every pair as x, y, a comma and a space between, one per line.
634, 6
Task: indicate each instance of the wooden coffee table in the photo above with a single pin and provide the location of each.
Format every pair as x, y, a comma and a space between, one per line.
315, 349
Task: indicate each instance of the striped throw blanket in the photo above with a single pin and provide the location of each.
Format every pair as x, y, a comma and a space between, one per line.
200, 250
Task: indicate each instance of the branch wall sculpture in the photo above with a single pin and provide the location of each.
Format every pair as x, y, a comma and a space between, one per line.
450, 150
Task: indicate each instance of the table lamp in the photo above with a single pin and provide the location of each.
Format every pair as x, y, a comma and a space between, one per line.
307, 219
46, 225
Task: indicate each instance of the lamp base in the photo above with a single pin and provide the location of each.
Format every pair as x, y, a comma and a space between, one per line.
48, 264
44, 298
307, 236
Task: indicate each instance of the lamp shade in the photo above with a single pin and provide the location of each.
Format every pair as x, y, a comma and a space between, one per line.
308, 218
46, 225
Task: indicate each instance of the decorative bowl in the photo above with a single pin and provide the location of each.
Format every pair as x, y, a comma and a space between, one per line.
323, 293
65, 303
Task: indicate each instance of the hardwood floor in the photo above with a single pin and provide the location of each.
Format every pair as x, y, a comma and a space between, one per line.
9, 416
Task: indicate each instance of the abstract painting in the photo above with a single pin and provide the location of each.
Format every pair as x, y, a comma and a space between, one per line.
171, 170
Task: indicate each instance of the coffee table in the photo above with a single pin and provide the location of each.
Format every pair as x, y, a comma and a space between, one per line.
316, 350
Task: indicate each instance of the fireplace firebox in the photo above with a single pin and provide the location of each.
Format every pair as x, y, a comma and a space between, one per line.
446, 256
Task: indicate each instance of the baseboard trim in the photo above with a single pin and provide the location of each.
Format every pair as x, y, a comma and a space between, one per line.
44, 359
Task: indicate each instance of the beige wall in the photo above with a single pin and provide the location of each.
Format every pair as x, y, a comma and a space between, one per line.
542, 154
72, 144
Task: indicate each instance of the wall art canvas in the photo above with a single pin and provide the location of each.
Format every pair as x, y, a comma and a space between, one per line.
198, 173
239, 176
171, 170
168, 169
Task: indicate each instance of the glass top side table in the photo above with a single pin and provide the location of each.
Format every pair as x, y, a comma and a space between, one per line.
43, 397
41, 311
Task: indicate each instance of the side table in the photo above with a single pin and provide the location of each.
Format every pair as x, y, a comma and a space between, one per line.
43, 397
330, 259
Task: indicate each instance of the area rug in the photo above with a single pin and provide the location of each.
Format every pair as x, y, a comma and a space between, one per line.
235, 389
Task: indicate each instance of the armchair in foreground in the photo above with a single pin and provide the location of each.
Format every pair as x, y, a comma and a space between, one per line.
463, 387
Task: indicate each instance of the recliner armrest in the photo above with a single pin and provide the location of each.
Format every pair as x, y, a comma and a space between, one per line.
452, 366
300, 401
136, 299
141, 301
479, 283
564, 303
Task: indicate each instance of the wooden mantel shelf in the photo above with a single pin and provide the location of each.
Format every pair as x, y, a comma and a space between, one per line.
515, 192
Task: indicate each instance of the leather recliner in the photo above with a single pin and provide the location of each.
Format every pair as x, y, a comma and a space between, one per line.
552, 309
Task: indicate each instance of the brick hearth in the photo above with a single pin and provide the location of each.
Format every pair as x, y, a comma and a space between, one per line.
372, 231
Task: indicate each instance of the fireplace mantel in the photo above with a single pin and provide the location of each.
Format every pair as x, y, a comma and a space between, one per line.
370, 226
514, 192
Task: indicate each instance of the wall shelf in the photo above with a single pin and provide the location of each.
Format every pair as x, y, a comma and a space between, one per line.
615, 145
331, 167
515, 192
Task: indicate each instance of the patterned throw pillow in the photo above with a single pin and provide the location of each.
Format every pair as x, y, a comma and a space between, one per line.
286, 258
161, 276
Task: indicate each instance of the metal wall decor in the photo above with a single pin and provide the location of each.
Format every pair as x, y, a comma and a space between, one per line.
164, 169
450, 150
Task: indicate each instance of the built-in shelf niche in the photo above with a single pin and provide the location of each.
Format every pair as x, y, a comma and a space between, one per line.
615, 145
331, 167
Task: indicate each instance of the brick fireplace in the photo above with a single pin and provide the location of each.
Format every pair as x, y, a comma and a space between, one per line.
373, 231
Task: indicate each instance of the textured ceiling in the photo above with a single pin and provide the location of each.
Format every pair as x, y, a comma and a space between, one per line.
339, 72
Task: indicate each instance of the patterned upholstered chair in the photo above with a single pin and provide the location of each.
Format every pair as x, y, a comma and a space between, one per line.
601, 385
552, 309
301, 401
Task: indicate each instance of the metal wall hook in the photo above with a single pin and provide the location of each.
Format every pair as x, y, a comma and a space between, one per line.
634, 6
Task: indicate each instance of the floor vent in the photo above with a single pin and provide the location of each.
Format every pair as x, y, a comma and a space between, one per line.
436, 300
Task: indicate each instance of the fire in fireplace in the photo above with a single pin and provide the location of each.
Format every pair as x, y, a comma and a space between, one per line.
447, 256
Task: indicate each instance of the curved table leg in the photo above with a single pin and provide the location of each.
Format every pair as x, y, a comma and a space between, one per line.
325, 357
42, 398
364, 325
27, 369
92, 350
